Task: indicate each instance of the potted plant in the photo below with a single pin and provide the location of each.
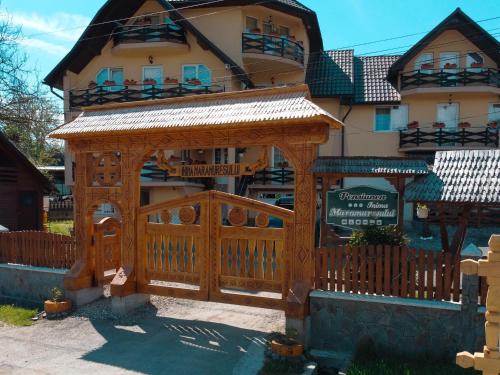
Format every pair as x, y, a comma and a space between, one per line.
422, 211
130, 82
450, 66
492, 124
413, 125
171, 81
287, 345
427, 66
194, 81
57, 304
149, 81
109, 82
256, 30
438, 125
464, 125
92, 84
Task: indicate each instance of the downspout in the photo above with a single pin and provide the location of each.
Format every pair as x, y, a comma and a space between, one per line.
342, 137
55, 93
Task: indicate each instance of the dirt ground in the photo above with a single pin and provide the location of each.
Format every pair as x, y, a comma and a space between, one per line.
167, 337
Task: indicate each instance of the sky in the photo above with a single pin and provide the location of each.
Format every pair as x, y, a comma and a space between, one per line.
51, 27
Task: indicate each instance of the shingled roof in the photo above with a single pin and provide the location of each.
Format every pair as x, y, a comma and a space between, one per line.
361, 165
466, 176
287, 105
370, 82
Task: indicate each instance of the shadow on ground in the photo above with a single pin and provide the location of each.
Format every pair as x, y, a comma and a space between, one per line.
158, 345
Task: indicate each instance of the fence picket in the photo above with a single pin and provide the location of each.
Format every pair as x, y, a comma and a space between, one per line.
430, 276
379, 270
387, 270
362, 270
371, 270
404, 273
355, 269
412, 274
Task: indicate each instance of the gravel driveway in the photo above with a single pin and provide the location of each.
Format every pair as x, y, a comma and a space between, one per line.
170, 336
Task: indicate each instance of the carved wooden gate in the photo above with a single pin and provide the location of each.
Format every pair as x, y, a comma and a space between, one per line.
107, 245
215, 246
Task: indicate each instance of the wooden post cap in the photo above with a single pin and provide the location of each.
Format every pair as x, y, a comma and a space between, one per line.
494, 243
465, 360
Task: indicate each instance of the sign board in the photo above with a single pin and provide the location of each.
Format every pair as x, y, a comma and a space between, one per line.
211, 170
361, 206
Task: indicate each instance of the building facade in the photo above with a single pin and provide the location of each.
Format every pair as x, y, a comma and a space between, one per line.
440, 95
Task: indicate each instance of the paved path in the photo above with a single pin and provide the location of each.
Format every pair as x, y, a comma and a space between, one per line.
171, 337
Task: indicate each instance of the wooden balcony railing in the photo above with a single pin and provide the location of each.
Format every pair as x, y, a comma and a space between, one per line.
273, 45
131, 93
149, 34
450, 78
467, 137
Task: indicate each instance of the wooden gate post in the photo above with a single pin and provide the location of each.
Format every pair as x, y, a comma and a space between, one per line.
80, 275
302, 262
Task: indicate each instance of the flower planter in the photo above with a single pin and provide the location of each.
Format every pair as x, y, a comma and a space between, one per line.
464, 125
427, 66
476, 65
287, 347
171, 81
53, 308
149, 82
413, 125
130, 82
492, 125
109, 83
256, 31
422, 212
438, 125
195, 82
450, 66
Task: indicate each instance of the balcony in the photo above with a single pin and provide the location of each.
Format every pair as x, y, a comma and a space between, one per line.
278, 51
472, 80
130, 93
160, 37
414, 140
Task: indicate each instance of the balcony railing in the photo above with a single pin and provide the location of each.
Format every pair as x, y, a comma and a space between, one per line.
131, 93
149, 34
450, 78
273, 46
467, 137
151, 173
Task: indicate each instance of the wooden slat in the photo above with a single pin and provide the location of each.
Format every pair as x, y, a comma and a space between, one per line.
355, 269
278, 245
269, 259
362, 270
260, 260
404, 273
379, 270
439, 277
347, 269
456, 280
387, 270
371, 269
339, 267
324, 270
396, 272
447, 277
251, 257
333, 265
412, 273
430, 276
421, 275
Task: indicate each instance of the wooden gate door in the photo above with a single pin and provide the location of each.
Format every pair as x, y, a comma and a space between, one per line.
107, 245
216, 246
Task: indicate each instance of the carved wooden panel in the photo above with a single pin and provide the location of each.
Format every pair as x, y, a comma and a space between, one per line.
106, 169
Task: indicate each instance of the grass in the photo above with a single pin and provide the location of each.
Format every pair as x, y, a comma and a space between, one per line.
394, 365
17, 316
60, 227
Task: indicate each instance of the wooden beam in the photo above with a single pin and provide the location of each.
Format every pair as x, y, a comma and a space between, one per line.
459, 236
445, 244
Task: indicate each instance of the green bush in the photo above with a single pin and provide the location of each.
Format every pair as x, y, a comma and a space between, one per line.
389, 235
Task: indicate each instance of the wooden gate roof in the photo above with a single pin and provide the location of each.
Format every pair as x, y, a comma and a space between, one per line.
466, 176
250, 108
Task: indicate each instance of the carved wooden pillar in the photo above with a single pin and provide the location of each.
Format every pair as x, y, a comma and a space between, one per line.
80, 275
302, 262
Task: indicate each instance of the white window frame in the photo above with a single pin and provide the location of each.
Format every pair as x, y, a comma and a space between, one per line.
391, 107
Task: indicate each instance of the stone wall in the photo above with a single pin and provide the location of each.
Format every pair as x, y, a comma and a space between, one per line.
341, 321
30, 284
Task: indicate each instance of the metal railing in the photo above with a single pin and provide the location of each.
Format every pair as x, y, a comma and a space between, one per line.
273, 45
450, 78
442, 137
154, 33
130, 93
274, 176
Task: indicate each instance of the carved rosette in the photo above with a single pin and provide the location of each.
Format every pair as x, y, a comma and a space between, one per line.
187, 215
262, 220
237, 216
166, 216
106, 169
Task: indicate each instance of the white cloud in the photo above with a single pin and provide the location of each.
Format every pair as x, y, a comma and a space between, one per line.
63, 26
52, 48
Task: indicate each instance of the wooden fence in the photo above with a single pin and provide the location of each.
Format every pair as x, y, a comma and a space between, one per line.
39, 249
390, 271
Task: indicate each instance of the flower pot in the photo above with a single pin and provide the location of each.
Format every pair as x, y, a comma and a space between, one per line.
476, 65
149, 82
256, 31
109, 83
464, 125
171, 81
427, 66
438, 125
195, 82
492, 125
52, 307
422, 212
287, 349
450, 66
413, 125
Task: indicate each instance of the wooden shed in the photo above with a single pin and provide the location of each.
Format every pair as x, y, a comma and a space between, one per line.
22, 187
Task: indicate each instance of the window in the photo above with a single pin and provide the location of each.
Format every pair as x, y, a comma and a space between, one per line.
110, 75
448, 61
251, 24
154, 73
221, 156
424, 63
391, 118
199, 72
494, 112
279, 159
268, 27
283, 30
448, 114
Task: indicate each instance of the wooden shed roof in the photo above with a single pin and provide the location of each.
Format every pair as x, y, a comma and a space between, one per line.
250, 108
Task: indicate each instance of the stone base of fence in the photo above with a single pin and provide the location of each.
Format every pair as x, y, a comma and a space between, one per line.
343, 321
29, 284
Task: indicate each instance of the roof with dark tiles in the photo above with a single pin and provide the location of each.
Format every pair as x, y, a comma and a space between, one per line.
371, 85
368, 165
330, 73
465, 176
